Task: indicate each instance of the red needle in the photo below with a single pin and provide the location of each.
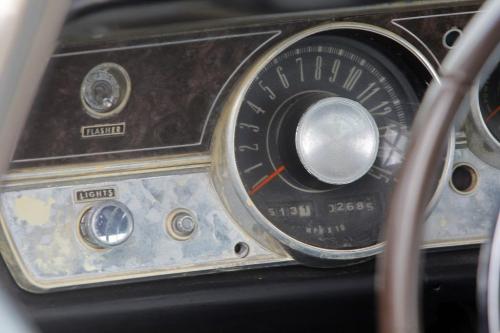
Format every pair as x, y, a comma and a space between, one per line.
266, 180
491, 115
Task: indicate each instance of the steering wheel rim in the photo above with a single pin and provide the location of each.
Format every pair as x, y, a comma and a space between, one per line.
398, 267
489, 283
29, 31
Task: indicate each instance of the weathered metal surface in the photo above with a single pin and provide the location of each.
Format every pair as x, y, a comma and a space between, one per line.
461, 218
43, 227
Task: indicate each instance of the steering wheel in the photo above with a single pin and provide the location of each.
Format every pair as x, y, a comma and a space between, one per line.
29, 31
477, 50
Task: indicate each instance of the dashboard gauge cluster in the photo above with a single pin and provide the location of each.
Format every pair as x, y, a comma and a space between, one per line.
248, 145
316, 134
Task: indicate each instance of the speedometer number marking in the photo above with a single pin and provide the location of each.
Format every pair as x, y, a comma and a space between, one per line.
253, 128
282, 76
265, 88
252, 147
253, 167
386, 109
301, 68
334, 71
317, 68
255, 108
352, 78
367, 93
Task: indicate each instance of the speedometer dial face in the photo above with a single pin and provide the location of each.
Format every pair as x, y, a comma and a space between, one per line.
489, 102
336, 72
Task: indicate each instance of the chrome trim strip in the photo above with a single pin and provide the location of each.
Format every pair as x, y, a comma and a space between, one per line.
418, 39
437, 15
96, 171
453, 243
424, 45
149, 45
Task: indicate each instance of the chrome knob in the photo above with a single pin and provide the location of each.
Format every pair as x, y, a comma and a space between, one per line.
105, 90
184, 225
181, 224
337, 140
107, 224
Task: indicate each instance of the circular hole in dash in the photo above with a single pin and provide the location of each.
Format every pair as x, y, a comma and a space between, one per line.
241, 249
464, 178
451, 36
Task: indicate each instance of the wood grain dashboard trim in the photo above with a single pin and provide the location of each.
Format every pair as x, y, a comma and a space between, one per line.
54, 145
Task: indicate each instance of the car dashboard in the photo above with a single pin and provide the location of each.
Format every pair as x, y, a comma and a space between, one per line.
158, 153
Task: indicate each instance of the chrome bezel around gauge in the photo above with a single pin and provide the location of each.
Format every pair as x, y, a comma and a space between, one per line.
225, 173
480, 140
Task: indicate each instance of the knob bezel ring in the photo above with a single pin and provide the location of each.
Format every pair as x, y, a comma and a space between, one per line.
124, 92
169, 221
87, 225
80, 233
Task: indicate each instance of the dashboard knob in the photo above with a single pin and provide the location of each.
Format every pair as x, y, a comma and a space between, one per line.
105, 90
337, 140
107, 224
181, 224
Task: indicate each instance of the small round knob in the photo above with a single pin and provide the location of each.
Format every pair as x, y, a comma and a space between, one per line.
105, 90
337, 140
107, 224
181, 224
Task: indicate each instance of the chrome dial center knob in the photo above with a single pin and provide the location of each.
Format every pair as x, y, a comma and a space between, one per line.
337, 140
107, 224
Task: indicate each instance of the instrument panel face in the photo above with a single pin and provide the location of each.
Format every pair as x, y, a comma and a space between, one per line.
323, 215
197, 136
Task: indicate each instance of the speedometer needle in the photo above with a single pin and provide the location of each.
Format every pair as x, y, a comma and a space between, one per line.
266, 180
491, 115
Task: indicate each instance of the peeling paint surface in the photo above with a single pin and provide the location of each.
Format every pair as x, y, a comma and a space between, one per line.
32, 210
43, 224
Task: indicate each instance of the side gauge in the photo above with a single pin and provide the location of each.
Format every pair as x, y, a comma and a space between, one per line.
489, 103
483, 131
313, 139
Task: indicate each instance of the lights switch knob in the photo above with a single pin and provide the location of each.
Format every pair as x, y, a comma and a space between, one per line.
107, 224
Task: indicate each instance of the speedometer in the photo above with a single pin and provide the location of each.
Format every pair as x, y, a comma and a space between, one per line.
315, 139
346, 87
